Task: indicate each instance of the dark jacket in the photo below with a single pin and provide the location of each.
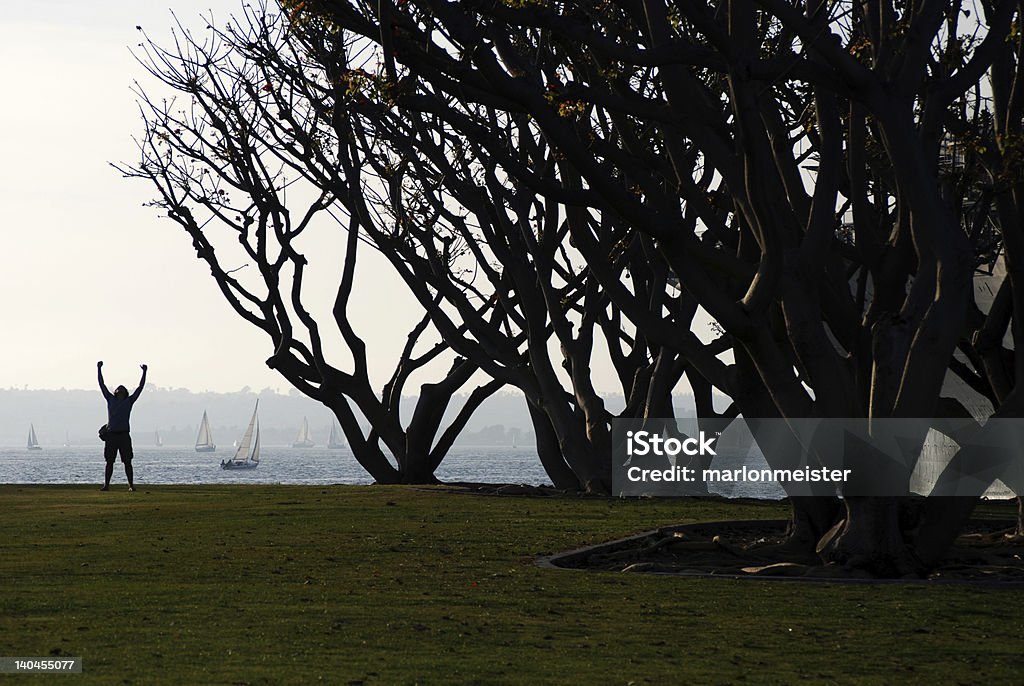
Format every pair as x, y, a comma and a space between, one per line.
119, 410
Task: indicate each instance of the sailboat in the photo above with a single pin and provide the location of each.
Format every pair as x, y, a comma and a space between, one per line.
159, 441
335, 441
33, 443
244, 457
67, 440
303, 440
204, 441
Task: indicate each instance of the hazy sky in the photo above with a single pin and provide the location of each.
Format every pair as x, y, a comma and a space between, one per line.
87, 273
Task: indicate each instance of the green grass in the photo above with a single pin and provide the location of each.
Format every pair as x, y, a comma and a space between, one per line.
391, 585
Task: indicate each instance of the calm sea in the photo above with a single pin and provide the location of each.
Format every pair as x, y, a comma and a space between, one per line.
280, 465
287, 465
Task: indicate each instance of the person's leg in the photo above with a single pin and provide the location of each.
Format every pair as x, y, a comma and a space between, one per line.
126, 460
109, 454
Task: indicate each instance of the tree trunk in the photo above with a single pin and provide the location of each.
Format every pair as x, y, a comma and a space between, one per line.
550, 454
941, 520
869, 538
418, 468
812, 518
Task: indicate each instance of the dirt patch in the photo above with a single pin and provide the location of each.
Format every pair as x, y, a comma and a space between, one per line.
987, 553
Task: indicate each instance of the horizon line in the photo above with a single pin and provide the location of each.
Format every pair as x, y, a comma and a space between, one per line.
288, 392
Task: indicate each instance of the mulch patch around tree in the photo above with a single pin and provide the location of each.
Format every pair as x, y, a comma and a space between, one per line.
988, 552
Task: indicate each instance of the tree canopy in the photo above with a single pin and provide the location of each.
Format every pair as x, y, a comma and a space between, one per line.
821, 179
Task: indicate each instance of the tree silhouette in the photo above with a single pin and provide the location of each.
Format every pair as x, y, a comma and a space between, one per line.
822, 230
822, 179
221, 161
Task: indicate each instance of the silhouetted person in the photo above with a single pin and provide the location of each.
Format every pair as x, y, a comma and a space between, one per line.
119, 440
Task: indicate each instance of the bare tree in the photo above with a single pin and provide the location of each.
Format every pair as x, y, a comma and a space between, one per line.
227, 166
490, 263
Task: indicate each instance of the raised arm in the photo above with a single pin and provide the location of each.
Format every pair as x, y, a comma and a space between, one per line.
103, 386
142, 382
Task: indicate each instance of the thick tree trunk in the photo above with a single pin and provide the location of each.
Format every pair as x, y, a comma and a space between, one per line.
812, 517
940, 521
591, 465
869, 538
418, 468
550, 454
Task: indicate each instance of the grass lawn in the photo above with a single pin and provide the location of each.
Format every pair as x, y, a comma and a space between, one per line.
393, 585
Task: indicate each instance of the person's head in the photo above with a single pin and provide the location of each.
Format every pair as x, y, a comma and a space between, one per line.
121, 392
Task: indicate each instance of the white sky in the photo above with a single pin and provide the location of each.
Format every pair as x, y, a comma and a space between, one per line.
87, 273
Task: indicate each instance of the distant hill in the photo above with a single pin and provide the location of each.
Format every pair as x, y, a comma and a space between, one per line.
176, 413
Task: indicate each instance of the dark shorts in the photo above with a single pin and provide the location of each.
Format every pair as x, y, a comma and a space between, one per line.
119, 442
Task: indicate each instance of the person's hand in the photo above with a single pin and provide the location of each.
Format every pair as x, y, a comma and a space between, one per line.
144, 367
99, 364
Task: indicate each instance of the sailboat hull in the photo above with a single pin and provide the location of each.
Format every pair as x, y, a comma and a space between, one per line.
205, 448
239, 465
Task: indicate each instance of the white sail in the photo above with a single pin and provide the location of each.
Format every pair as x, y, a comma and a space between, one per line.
33, 443
204, 441
159, 441
242, 454
248, 454
303, 440
255, 457
335, 441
